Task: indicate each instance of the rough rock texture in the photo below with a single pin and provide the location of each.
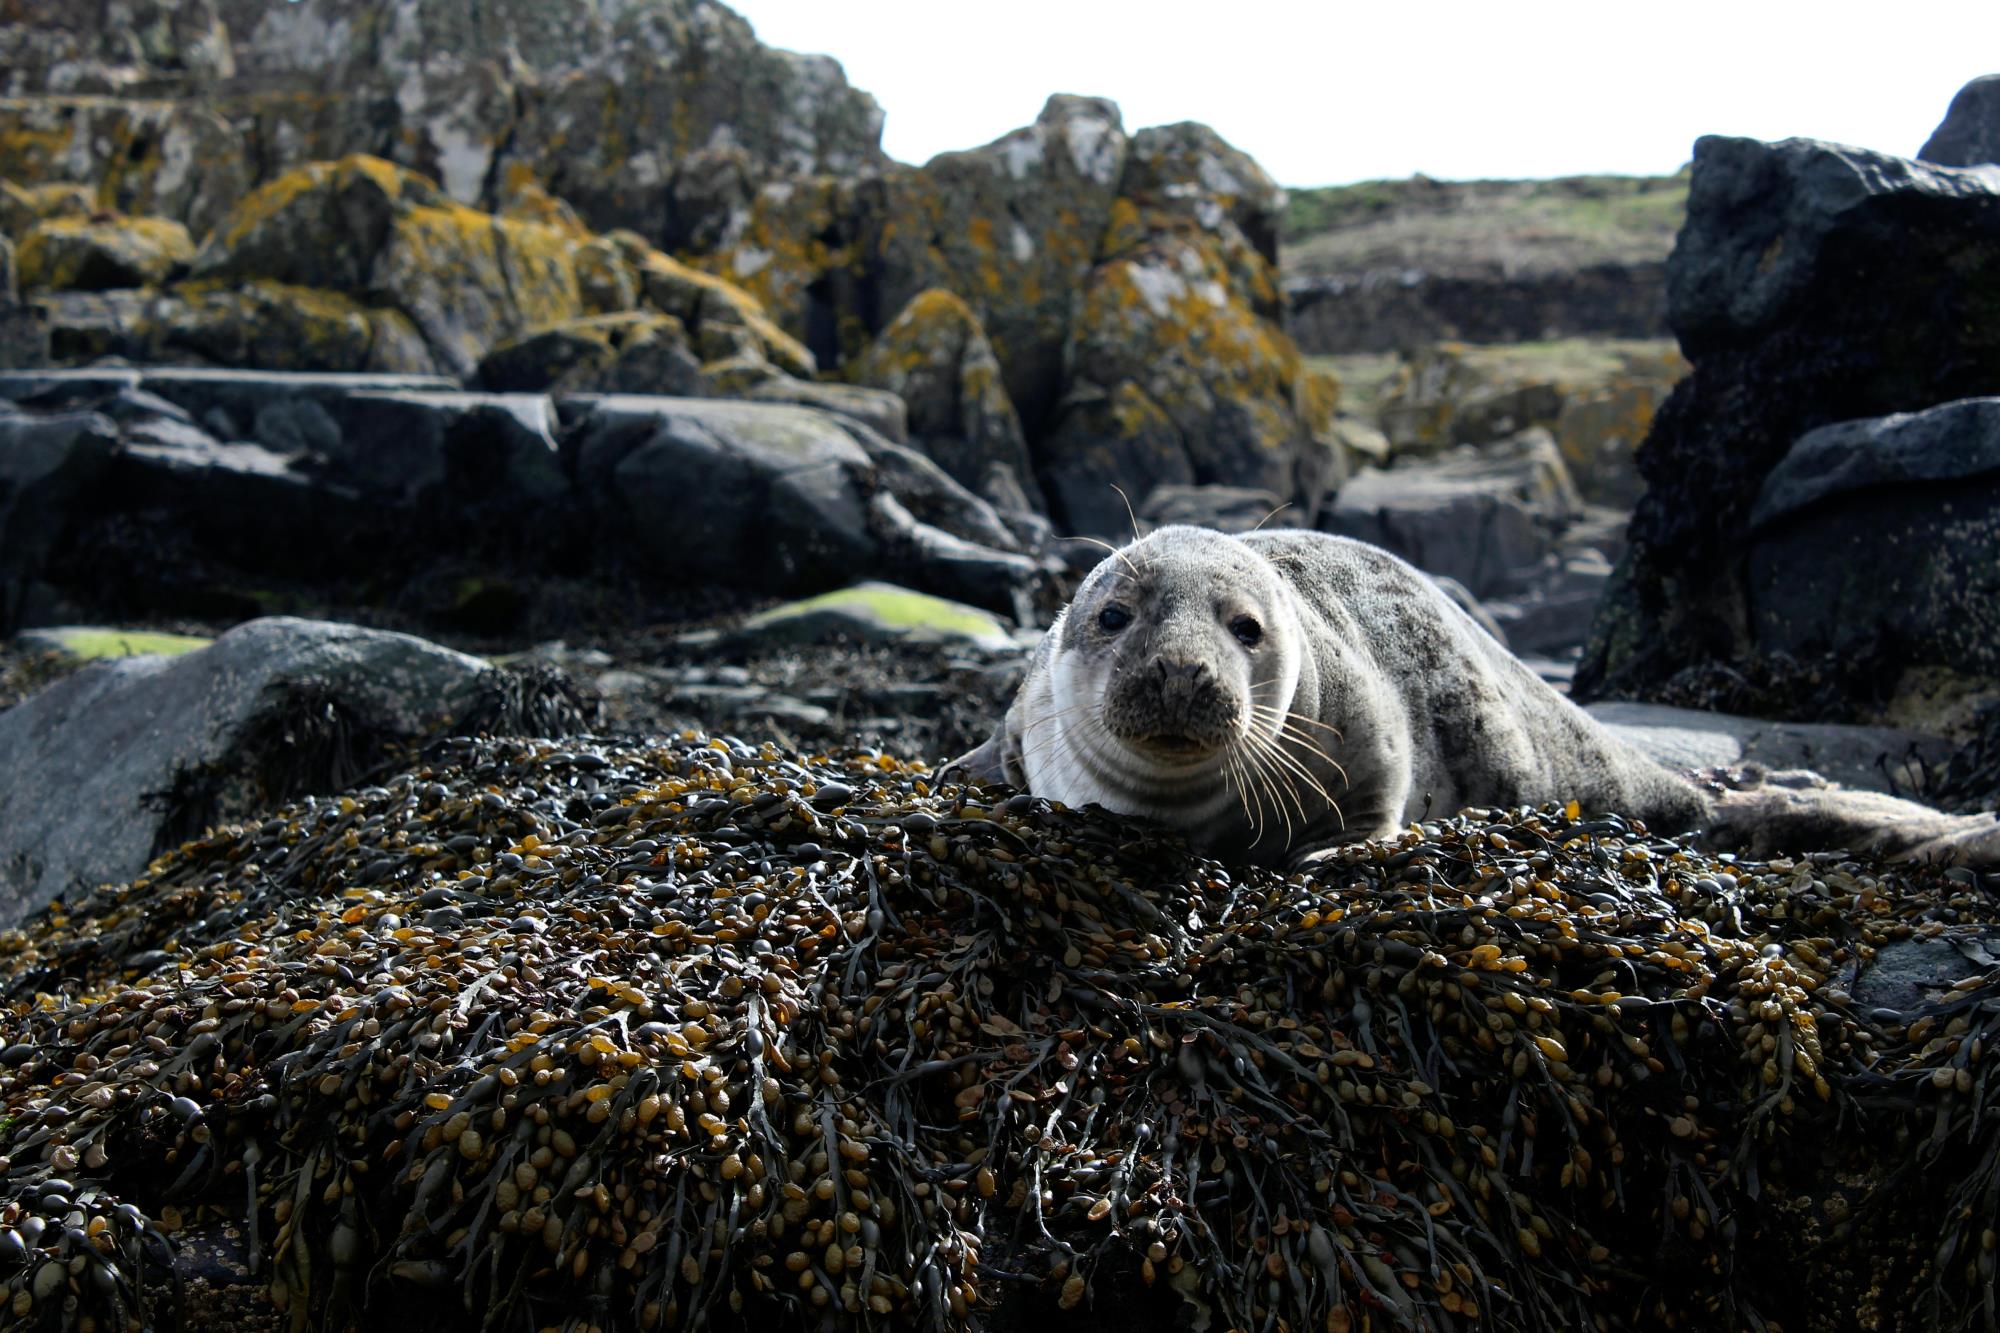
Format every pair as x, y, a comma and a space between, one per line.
89, 255
214, 494
600, 102
89, 761
1883, 535
1477, 516
632, 352
1179, 369
935, 357
1812, 284
1969, 134
1224, 508
256, 325
465, 279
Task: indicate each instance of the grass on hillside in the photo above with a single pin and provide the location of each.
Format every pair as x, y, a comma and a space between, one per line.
1511, 226
1575, 363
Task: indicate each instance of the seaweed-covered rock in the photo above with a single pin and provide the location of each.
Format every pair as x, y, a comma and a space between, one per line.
88, 255
1509, 1069
935, 357
1969, 134
1812, 284
96, 765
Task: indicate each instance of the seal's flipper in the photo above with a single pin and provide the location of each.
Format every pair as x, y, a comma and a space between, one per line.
1781, 816
986, 765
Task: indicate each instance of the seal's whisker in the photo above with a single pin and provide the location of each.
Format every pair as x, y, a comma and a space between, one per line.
1117, 551
1258, 752
1273, 514
1291, 763
1136, 534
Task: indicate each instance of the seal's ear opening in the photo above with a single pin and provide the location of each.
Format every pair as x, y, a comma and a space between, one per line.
983, 766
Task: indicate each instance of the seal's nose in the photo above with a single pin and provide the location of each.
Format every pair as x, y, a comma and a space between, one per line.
1181, 684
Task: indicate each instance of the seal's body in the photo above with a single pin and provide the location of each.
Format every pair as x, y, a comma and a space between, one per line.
1276, 693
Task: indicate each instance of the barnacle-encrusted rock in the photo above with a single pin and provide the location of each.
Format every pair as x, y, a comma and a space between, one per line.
1808, 287
88, 255
935, 356
515, 1030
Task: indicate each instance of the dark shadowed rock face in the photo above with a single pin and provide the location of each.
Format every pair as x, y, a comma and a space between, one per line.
1812, 284
1884, 535
1970, 132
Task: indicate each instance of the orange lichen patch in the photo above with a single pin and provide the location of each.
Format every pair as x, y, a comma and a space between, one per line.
699, 299
1318, 401
267, 205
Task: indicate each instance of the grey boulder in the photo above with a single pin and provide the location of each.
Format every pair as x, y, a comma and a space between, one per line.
87, 764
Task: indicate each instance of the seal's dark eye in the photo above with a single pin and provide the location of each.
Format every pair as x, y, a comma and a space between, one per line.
1247, 630
1113, 618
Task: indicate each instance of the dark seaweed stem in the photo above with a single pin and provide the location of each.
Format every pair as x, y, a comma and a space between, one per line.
634, 1036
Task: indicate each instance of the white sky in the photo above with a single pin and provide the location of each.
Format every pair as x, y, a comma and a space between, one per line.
1337, 91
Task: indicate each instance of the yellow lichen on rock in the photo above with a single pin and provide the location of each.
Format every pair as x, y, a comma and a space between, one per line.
70, 253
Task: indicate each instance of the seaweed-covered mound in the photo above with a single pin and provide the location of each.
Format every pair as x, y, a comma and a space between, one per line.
614, 1035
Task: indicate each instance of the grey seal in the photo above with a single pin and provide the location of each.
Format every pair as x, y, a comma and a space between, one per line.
1273, 694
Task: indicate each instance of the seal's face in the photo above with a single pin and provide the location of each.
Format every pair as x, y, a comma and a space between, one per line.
1173, 652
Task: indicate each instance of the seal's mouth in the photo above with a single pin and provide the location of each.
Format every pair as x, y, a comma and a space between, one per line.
1174, 745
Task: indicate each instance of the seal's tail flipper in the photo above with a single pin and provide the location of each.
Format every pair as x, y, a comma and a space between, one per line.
1779, 817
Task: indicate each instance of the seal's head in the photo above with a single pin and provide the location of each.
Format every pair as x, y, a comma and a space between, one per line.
1177, 652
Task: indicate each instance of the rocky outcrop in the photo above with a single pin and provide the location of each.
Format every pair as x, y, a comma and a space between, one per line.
1813, 284
85, 254
206, 493
1127, 286
181, 110
1969, 135
1178, 368
936, 358
103, 765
